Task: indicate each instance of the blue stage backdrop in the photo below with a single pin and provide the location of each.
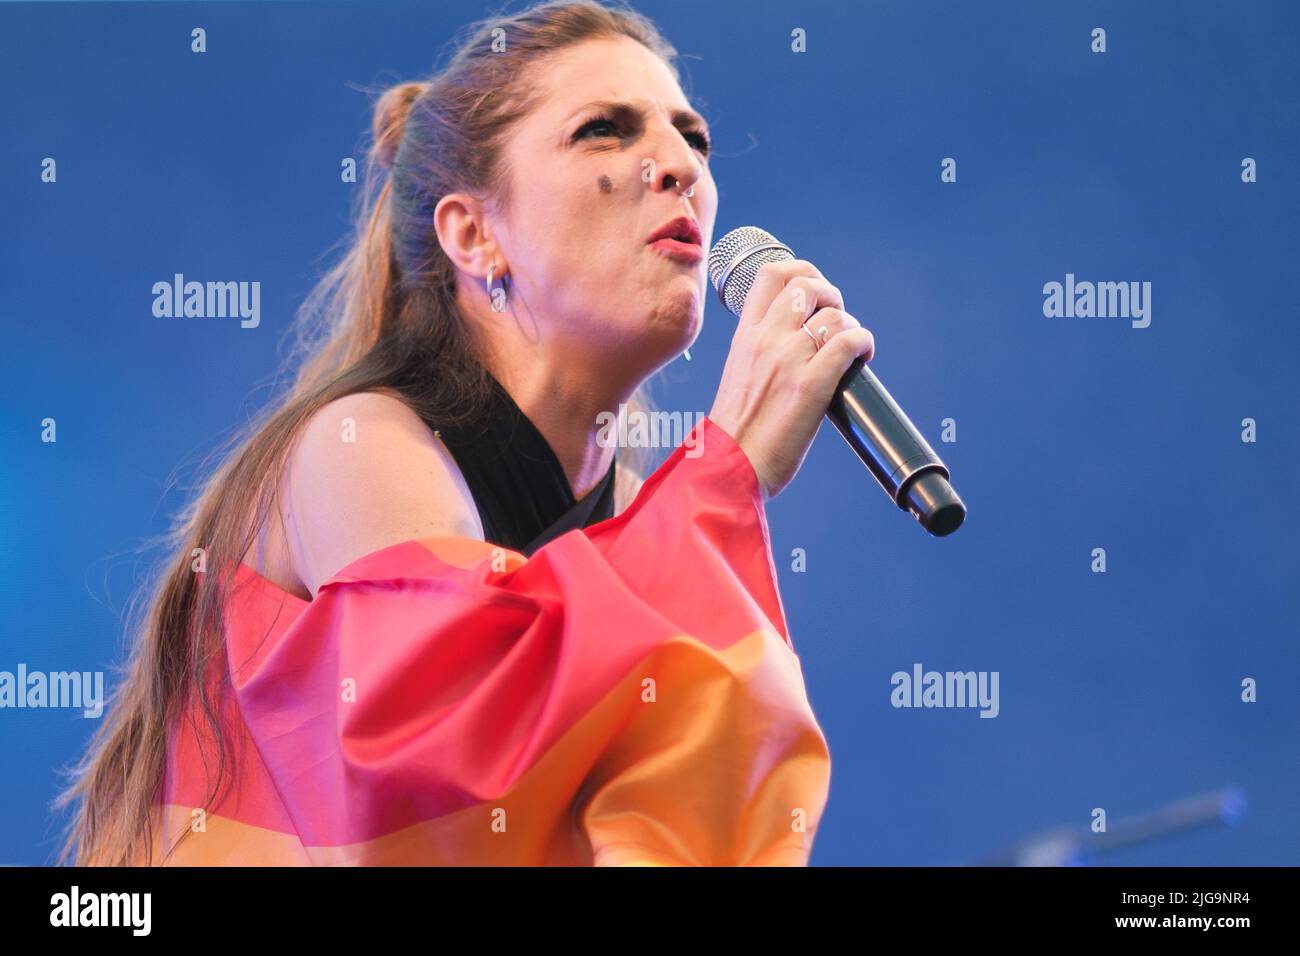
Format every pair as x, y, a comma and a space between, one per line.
943, 163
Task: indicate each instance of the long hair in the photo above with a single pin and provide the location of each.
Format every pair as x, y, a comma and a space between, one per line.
384, 318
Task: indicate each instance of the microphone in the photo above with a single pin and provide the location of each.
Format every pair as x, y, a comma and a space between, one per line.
862, 410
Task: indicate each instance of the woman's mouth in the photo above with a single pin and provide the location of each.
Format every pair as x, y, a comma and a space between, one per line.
684, 252
680, 240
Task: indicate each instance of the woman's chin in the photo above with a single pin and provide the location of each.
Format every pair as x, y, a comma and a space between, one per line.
669, 335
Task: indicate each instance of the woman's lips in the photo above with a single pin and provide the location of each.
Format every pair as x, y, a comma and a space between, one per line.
686, 252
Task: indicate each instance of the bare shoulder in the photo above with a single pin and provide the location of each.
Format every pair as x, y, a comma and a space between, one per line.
364, 473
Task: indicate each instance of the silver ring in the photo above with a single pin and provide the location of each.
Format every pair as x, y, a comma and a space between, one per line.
808, 332
689, 193
821, 334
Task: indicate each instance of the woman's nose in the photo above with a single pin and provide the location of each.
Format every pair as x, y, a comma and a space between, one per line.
677, 167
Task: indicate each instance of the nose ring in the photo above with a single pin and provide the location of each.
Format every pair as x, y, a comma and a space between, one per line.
689, 193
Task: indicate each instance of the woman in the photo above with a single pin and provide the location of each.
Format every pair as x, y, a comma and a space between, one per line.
423, 615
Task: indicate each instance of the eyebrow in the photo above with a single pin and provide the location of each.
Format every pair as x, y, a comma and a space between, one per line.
680, 117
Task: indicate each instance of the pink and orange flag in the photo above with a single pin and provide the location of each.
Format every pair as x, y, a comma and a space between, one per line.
626, 696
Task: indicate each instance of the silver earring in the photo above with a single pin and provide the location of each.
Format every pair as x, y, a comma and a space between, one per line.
498, 304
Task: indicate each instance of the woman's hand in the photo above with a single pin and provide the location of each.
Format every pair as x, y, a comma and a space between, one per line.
776, 384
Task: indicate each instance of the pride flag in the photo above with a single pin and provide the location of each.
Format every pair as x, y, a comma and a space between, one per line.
626, 696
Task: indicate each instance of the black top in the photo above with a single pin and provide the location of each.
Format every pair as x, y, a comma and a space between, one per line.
520, 489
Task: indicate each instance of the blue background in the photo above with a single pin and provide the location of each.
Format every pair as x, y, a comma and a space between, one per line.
1118, 690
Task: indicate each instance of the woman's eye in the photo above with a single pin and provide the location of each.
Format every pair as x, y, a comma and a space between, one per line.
607, 127
700, 140
594, 125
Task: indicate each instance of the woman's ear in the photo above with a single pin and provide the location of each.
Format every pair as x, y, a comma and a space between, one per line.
460, 224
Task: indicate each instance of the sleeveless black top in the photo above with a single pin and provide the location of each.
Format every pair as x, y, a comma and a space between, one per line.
520, 489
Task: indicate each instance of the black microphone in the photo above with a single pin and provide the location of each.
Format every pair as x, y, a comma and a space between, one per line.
864, 412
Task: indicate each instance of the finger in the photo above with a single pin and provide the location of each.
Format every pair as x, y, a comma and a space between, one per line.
770, 280
831, 320
803, 296
822, 326
834, 358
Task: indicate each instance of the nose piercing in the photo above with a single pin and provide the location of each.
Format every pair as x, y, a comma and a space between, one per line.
689, 193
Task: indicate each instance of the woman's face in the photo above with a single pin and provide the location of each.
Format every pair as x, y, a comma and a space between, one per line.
590, 185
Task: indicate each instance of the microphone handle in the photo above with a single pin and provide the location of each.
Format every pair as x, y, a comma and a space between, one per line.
893, 450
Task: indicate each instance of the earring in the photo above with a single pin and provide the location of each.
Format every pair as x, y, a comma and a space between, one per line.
689, 193
498, 297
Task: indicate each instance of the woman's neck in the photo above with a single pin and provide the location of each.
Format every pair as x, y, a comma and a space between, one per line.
564, 408
560, 395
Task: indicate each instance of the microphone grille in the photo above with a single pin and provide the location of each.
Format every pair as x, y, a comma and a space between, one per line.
735, 259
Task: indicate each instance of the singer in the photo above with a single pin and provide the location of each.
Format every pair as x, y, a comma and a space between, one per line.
421, 615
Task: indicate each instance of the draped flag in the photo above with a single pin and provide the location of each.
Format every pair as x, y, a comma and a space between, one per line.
627, 696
